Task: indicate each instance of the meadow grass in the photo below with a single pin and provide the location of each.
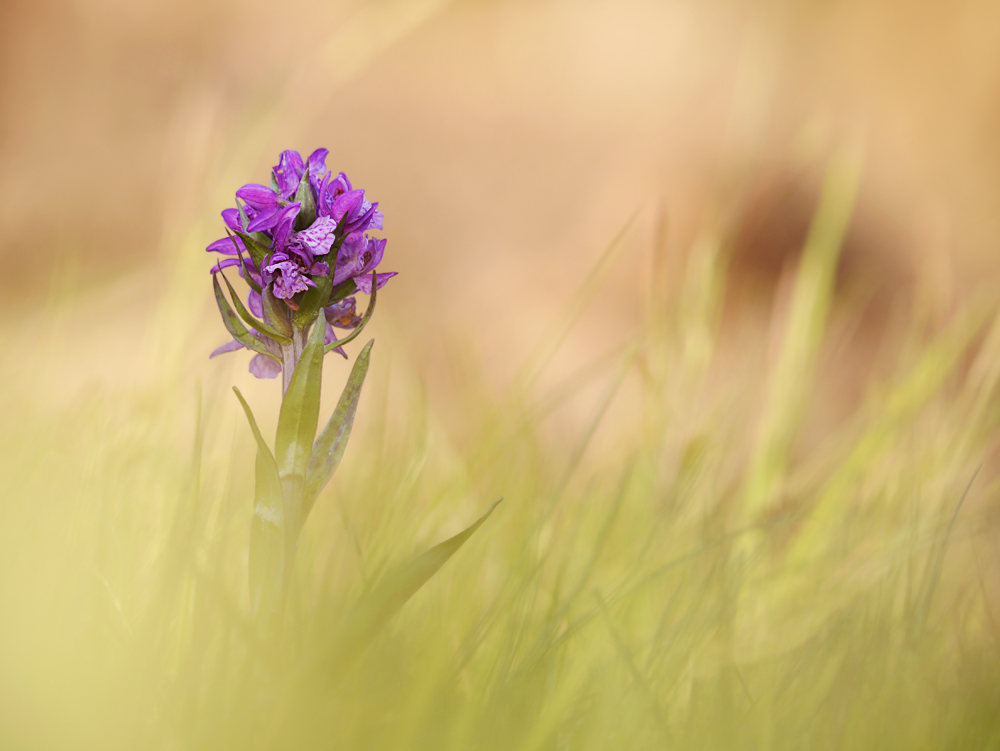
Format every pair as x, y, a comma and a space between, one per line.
691, 582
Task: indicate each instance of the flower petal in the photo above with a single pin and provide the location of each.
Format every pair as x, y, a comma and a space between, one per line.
260, 197
232, 219
264, 367
225, 264
288, 277
329, 339
346, 204
372, 254
343, 314
319, 237
347, 257
227, 347
283, 226
360, 218
256, 304
224, 246
317, 162
288, 173
265, 220
365, 282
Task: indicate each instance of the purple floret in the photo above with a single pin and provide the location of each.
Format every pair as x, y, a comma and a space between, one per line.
287, 276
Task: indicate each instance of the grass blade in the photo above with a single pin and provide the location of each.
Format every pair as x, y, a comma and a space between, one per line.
376, 608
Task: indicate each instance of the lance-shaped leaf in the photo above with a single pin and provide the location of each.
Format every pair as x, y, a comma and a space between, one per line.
342, 290
376, 608
304, 196
313, 299
299, 414
247, 276
267, 540
248, 317
361, 326
257, 250
330, 445
235, 327
274, 312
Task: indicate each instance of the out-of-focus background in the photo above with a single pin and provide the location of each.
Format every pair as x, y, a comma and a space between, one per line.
507, 142
751, 462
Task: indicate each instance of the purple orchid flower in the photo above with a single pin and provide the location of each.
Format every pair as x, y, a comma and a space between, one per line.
296, 259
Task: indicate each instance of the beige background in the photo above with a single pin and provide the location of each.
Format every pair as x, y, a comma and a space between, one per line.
508, 144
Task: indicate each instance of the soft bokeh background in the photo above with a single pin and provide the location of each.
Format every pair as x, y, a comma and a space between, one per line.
564, 183
507, 142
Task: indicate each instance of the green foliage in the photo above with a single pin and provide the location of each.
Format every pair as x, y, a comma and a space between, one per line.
260, 326
304, 197
257, 243
233, 324
332, 442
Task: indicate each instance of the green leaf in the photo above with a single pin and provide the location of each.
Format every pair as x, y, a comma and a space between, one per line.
342, 290
267, 552
313, 299
243, 264
304, 195
234, 326
248, 277
248, 317
364, 320
332, 442
257, 249
376, 608
275, 313
299, 414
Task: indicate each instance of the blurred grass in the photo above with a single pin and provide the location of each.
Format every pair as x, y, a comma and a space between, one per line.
638, 597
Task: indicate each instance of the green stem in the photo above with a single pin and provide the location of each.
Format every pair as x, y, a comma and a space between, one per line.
291, 353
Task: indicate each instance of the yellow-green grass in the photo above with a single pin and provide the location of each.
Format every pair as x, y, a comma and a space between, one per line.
691, 582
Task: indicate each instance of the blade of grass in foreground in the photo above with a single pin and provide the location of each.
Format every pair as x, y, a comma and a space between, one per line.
396, 588
793, 374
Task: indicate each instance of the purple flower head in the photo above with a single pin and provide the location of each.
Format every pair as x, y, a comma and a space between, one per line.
278, 255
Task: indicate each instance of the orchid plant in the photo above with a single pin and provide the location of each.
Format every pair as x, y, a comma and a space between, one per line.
302, 246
